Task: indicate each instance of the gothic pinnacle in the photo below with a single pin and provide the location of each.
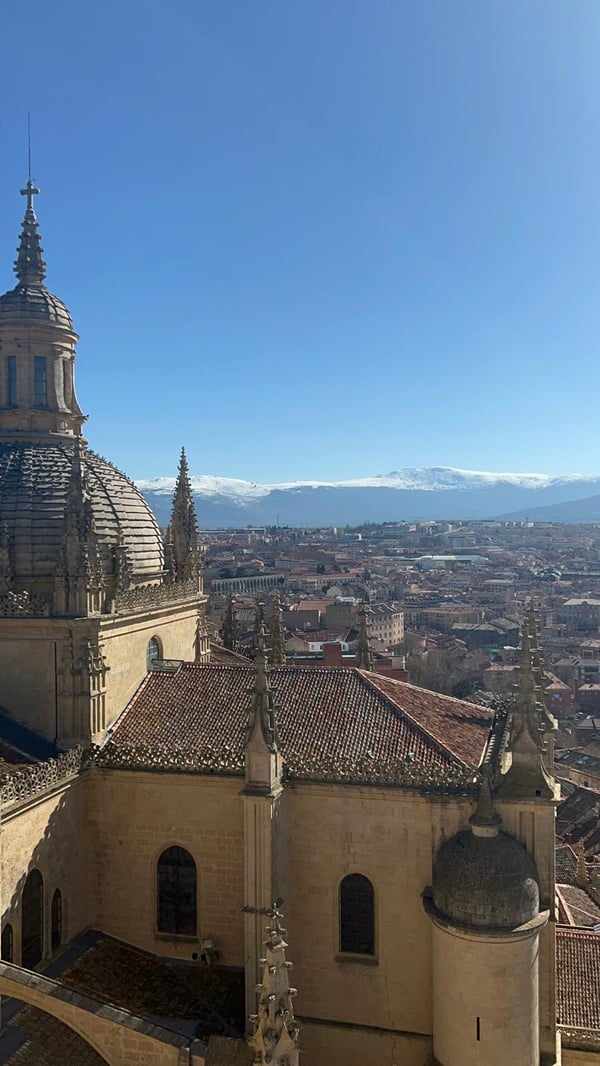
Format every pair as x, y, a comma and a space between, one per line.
364, 655
184, 548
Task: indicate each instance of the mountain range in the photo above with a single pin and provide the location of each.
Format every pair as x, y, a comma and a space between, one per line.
415, 494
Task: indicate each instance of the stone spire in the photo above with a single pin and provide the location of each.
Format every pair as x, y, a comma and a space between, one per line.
527, 775
277, 632
486, 821
78, 580
264, 764
547, 724
29, 266
275, 1038
259, 623
183, 539
364, 655
230, 629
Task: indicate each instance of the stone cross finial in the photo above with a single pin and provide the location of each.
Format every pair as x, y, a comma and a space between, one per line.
29, 191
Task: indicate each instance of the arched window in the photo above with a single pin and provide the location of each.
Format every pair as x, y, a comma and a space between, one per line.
32, 939
56, 920
357, 915
153, 652
177, 892
6, 946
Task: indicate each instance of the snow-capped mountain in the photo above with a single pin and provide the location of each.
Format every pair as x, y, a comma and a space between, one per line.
415, 493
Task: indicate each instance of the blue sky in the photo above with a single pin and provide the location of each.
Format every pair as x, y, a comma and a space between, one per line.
318, 239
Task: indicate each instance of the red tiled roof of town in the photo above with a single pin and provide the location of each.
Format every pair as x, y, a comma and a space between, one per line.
339, 713
578, 978
566, 864
318, 636
576, 907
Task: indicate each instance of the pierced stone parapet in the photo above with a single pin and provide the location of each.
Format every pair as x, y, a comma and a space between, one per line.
316, 767
154, 595
231, 762
23, 605
576, 1038
171, 759
40, 777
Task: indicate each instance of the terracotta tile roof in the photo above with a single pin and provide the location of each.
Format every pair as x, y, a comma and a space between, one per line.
160, 989
576, 907
566, 864
462, 728
46, 1041
342, 714
578, 978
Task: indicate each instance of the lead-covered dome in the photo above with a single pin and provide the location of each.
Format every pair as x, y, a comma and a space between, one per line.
35, 479
34, 305
487, 882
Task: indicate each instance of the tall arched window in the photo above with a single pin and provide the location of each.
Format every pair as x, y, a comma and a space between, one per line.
177, 892
6, 947
56, 920
32, 939
153, 652
357, 915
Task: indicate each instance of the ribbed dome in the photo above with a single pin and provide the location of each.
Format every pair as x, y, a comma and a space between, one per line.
34, 481
33, 304
487, 882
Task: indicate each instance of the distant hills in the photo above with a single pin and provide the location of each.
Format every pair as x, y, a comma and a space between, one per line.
415, 494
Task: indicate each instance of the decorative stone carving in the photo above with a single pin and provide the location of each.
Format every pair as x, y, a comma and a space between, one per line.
23, 605
34, 779
154, 595
275, 1038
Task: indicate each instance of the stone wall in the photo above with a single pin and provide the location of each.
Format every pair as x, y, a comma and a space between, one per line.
385, 834
354, 1046
133, 817
47, 834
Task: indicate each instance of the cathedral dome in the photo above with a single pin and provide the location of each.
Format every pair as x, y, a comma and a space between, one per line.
36, 480
33, 305
485, 881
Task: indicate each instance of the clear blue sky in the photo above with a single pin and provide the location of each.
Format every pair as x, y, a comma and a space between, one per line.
318, 239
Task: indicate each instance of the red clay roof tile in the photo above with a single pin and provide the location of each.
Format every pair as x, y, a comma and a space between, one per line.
337, 713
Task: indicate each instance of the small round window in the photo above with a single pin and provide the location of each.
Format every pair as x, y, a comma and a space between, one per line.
153, 652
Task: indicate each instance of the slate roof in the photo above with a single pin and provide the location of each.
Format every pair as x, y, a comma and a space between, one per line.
342, 714
35, 479
33, 303
578, 978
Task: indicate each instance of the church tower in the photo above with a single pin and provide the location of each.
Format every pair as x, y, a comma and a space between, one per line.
85, 602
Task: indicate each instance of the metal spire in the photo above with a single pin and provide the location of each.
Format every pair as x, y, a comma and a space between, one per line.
29, 265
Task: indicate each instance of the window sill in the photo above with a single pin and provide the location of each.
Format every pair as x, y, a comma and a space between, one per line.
349, 956
178, 938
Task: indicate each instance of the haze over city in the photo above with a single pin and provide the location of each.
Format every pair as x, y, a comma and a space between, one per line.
318, 241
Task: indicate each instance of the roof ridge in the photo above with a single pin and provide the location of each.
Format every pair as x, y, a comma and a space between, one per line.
366, 677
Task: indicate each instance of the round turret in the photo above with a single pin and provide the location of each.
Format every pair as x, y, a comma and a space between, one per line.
485, 909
